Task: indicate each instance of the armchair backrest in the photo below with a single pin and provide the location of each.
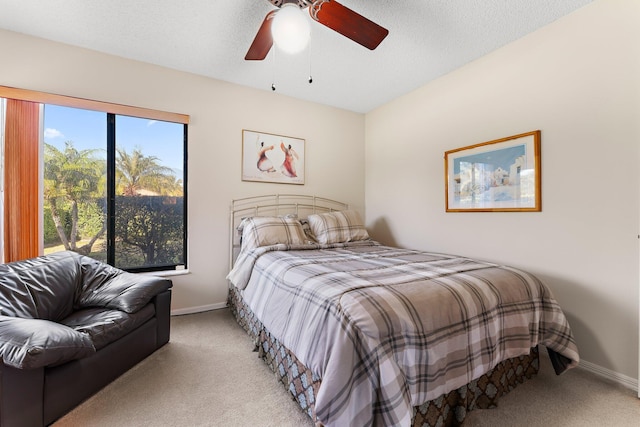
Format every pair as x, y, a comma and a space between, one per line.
44, 287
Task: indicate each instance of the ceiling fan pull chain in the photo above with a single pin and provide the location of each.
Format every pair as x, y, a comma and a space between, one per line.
309, 47
273, 69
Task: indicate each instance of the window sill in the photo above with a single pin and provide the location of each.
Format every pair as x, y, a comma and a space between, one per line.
167, 273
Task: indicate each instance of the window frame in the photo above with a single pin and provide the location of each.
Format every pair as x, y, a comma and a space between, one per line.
112, 110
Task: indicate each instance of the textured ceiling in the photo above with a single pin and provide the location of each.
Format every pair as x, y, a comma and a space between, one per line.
427, 39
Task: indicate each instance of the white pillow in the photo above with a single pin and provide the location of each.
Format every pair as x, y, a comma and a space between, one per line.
338, 227
271, 230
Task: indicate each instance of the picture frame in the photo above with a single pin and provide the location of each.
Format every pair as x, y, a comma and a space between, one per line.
502, 175
268, 157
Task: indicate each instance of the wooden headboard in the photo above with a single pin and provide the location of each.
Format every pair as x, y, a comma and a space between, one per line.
274, 205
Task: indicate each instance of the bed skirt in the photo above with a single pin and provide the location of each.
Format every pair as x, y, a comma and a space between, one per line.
449, 409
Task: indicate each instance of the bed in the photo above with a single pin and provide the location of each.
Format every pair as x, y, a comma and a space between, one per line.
366, 334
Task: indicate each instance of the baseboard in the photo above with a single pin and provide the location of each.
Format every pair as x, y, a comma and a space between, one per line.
199, 309
616, 377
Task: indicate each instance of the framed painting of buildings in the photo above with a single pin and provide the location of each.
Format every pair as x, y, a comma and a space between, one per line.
495, 176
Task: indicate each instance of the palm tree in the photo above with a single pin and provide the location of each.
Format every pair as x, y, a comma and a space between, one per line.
72, 178
136, 172
151, 224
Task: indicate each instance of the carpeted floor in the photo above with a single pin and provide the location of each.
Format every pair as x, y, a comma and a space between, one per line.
208, 376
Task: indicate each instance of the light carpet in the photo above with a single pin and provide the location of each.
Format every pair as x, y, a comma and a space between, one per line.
207, 375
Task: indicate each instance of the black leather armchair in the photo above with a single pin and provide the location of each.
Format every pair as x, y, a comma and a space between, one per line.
69, 325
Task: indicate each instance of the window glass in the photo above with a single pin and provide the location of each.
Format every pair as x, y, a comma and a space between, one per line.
75, 185
149, 202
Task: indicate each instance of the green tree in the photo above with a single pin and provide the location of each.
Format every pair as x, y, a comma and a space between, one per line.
73, 180
136, 172
154, 226
149, 210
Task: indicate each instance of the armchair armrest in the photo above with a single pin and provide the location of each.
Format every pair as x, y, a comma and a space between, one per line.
34, 343
110, 287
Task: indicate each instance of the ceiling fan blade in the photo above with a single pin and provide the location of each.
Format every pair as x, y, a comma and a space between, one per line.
348, 23
263, 41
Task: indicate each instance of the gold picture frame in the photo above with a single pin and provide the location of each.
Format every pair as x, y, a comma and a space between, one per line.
495, 176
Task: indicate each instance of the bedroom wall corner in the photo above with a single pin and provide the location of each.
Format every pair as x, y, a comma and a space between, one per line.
576, 80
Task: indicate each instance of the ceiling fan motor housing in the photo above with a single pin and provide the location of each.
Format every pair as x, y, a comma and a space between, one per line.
301, 3
329, 13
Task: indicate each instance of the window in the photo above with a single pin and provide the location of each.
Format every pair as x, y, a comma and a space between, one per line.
149, 211
113, 185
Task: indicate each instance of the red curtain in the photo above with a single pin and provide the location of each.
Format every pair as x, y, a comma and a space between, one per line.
21, 164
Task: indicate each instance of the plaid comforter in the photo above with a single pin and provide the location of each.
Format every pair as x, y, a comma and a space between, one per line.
388, 329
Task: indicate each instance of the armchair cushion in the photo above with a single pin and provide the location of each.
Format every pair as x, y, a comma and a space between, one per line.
34, 343
105, 325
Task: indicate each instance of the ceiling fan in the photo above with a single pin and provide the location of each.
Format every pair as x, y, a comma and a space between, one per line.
327, 12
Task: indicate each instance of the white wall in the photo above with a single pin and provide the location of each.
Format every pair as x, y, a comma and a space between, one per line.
578, 81
219, 111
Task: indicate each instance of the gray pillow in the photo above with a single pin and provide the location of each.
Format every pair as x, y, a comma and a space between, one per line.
338, 227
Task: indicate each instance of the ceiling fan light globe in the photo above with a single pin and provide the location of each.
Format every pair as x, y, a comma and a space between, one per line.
290, 29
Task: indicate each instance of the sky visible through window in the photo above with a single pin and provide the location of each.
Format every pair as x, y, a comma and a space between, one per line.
88, 130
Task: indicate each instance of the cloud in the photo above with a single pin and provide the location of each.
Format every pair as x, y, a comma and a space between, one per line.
52, 133
151, 123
